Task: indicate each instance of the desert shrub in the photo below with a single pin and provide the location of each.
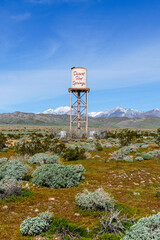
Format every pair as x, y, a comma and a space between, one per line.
90, 147
8, 187
35, 226
74, 154
3, 160
41, 158
3, 140
98, 146
89, 140
146, 156
108, 145
58, 176
155, 153
127, 159
122, 152
13, 169
125, 136
38, 145
117, 155
112, 223
145, 228
139, 159
98, 200
158, 136
138, 154
30, 147
58, 148
144, 146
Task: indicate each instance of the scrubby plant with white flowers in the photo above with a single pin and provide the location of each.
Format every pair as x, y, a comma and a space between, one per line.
58, 176
97, 200
145, 229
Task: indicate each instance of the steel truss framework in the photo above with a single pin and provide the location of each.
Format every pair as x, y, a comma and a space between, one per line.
79, 109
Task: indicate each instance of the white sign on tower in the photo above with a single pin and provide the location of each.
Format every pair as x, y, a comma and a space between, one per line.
79, 77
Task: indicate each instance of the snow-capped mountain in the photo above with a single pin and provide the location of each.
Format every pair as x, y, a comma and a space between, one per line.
114, 112
154, 113
117, 112
58, 111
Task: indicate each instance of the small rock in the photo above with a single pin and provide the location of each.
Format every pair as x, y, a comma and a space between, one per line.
51, 199
136, 194
136, 183
77, 214
5, 207
36, 210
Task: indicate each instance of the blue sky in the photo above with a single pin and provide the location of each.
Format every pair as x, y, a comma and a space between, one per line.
118, 41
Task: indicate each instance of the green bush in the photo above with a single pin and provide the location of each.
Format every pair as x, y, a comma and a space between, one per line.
58, 176
74, 154
145, 229
41, 158
99, 200
65, 229
158, 136
35, 226
98, 146
30, 147
3, 140
13, 169
125, 136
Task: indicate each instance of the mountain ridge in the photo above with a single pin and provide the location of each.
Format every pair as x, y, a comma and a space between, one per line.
114, 112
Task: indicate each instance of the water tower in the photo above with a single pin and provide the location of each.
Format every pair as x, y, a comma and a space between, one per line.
79, 100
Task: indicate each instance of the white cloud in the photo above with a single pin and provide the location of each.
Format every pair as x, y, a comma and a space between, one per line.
21, 17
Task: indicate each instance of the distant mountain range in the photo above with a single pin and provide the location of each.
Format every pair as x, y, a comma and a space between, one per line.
20, 118
114, 112
59, 120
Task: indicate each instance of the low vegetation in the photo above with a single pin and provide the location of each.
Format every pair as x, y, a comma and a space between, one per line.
105, 187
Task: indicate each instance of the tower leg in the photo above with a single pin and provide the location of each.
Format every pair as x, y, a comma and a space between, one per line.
79, 114
86, 113
71, 114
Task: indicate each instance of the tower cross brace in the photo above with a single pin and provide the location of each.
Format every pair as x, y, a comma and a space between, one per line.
79, 109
